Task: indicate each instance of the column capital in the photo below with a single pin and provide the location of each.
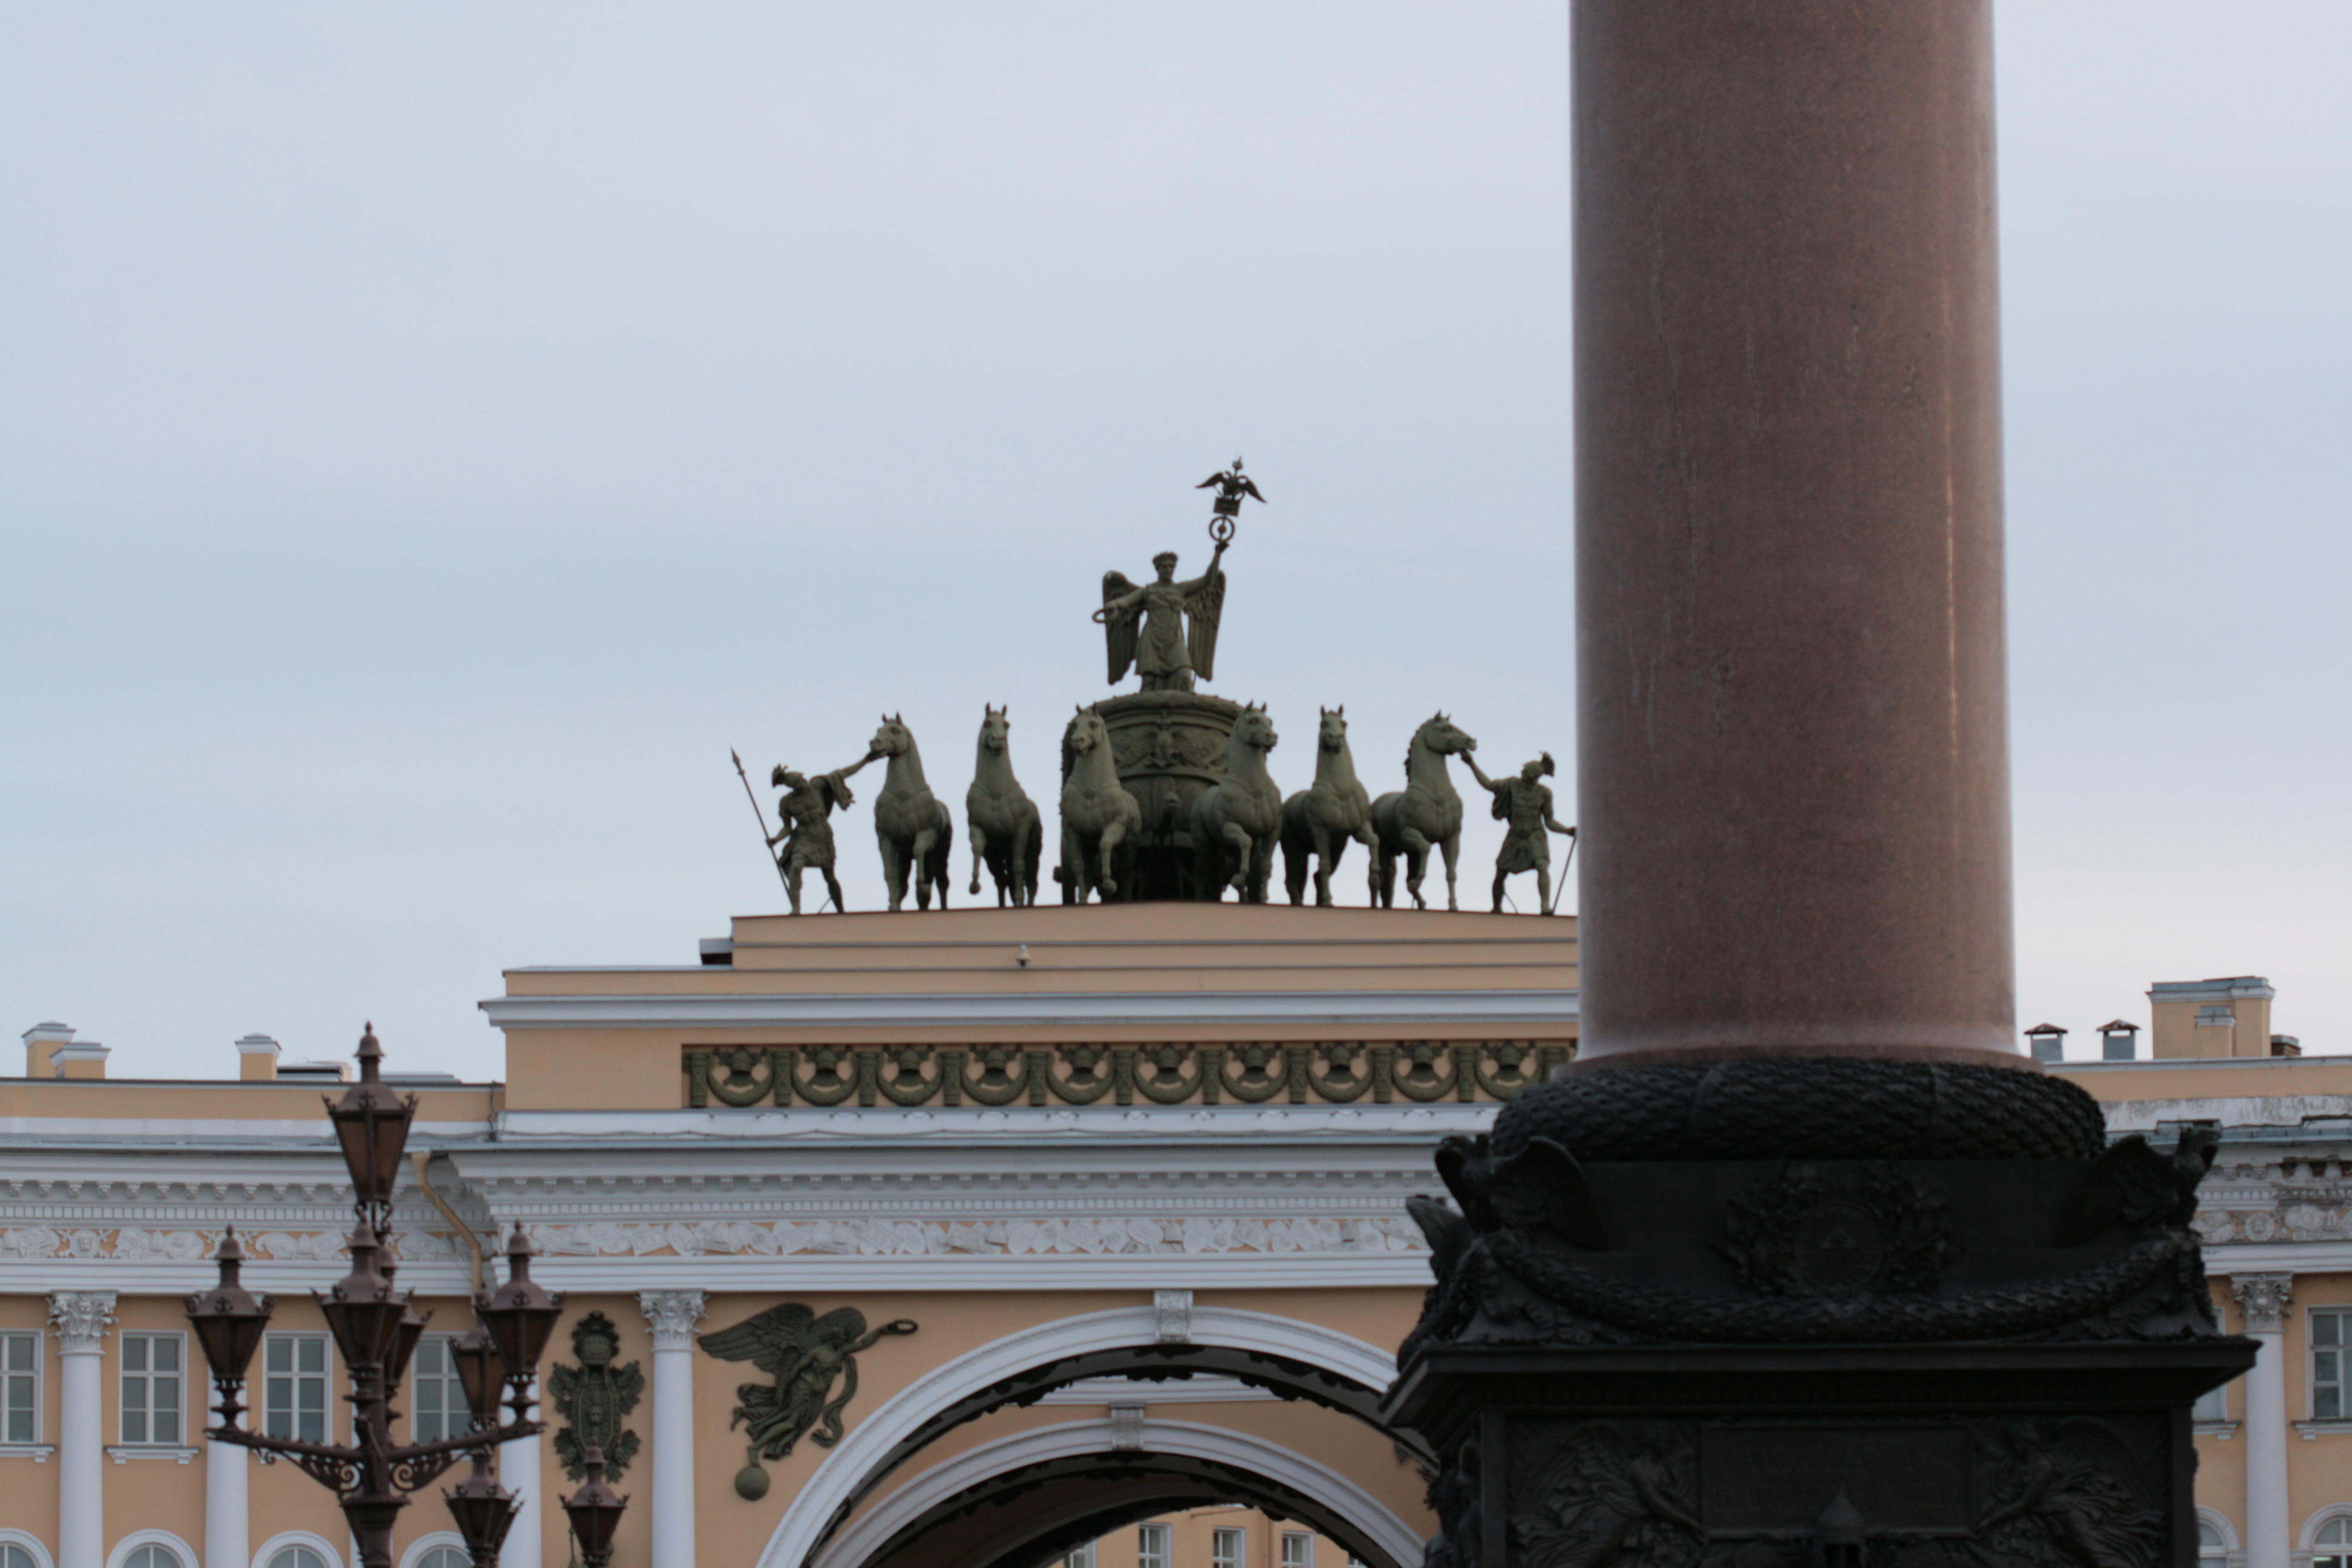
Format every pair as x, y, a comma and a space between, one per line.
2263, 1299
672, 1315
78, 1318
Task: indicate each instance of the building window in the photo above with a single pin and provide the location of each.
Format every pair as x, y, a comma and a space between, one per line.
436, 1399
2212, 1552
1226, 1547
20, 1394
1151, 1546
154, 1557
2327, 1345
2330, 1548
151, 1382
298, 1557
294, 1387
444, 1557
2213, 1405
1080, 1557
1298, 1550
16, 1557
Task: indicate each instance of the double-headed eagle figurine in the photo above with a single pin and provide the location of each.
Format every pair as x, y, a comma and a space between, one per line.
1165, 629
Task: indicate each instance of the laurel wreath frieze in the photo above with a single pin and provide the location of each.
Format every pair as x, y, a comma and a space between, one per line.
1330, 1073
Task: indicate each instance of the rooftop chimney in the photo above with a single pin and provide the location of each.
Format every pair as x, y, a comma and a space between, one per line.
256, 1060
79, 1059
40, 1041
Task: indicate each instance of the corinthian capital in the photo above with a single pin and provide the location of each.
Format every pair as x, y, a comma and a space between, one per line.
78, 1318
2263, 1299
672, 1314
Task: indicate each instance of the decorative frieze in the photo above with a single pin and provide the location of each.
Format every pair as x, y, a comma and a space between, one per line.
917, 1238
1337, 1074
133, 1243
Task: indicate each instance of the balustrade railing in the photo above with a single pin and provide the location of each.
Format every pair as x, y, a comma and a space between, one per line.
1379, 1072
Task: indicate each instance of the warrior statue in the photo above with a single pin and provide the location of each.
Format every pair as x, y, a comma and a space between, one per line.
807, 835
1524, 803
1147, 627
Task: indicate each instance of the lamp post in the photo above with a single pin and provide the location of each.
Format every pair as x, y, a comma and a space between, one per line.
594, 1511
376, 1328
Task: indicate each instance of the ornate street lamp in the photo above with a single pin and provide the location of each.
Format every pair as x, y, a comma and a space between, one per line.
377, 1328
594, 1511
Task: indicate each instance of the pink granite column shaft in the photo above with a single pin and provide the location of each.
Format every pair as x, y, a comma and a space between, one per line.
1793, 760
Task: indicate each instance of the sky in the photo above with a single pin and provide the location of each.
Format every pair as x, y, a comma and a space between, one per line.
432, 436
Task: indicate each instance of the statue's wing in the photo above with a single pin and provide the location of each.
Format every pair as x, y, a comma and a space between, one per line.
1119, 629
1251, 486
1216, 479
774, 1341
1206, 602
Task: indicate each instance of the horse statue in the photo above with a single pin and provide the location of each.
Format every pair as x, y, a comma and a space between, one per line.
1006, 833
1426, 811
1100, 821
1319, 821
1236, 822
910, 822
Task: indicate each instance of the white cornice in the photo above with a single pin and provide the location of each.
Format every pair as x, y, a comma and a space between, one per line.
800, 1272
1014, 1126
999, 1009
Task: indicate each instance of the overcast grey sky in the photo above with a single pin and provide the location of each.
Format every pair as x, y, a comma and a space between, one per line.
430, 436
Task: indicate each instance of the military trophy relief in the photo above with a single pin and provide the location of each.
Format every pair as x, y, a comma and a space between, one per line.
593, 1398
804, 1355
1167, 791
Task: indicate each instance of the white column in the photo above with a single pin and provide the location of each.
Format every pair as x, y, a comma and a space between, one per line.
519, 1473
2263, 1299
227, 1539
673, 1314
79, 1318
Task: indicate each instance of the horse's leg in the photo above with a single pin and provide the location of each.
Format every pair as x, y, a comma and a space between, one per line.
920, 858
1452, 845
1028, 849
893, 877
979, 854
1236, 838
1371, 843
1416, 863
1325, 854
1113, 837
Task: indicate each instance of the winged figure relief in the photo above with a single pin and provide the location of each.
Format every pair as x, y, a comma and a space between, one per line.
1166, 629
805, 1355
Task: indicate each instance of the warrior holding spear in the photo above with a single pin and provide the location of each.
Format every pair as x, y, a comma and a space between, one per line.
801, 826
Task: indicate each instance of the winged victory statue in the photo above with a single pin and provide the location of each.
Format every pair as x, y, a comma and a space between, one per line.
1166, 630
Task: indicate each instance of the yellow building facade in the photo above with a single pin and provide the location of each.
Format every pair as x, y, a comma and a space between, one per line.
1117, 1192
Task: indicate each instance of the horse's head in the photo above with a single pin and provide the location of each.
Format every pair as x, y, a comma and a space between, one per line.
1086, 730
1333, 735
1441, 735
1254, 729
893, 739
993, 728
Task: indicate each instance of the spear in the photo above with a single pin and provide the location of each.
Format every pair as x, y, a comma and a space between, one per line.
762, 815
1557, 892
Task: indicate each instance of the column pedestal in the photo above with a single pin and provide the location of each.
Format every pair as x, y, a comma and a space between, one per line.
672, 1315
2269, 1528
79, 1318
